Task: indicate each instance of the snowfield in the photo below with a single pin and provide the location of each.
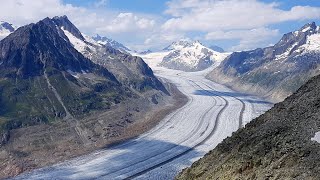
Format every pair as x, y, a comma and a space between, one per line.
212, 113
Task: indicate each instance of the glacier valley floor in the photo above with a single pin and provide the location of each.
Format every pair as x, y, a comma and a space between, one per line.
212, 113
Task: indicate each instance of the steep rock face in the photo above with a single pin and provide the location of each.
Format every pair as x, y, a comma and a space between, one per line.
63, 21
187, 56
277, 145
274, 72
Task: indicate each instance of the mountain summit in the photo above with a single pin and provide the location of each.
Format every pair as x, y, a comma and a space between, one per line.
191, 56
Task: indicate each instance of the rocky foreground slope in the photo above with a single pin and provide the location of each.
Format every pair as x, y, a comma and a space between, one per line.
279, 144
58, 100
274, 72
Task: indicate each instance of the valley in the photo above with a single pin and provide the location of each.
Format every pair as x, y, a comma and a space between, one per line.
81, 107
212, 113
159, 90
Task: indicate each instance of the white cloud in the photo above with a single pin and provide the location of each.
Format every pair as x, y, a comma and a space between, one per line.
101, 3
127, 22
210, 15
24, 11
248, 39
161, 39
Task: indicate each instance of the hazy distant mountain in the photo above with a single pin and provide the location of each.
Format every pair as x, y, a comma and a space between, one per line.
277, 71
217, 48
146, 52
5, 29
111, 43
190, 56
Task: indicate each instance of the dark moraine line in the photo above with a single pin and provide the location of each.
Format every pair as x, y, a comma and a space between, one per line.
242, 109
173, 146
190, 149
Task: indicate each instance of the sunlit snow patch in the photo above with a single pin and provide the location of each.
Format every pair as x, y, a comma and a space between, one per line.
316, 137
74, 74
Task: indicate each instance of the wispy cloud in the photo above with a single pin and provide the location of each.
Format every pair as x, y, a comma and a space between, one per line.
248, 39
101, 3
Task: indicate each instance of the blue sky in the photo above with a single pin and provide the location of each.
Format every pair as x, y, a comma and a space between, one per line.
153, 24
142, 6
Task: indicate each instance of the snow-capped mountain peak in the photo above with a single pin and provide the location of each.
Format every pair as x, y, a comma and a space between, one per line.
178, 45
65, 23
309, 27
191, 56
304, 40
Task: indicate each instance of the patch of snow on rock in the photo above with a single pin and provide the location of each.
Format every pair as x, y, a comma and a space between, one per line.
316, 137
78, 44
313, 43
306, 29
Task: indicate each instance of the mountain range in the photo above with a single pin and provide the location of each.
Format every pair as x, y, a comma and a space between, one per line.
274, 72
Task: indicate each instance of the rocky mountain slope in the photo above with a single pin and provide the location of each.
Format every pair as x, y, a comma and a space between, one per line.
190, 56
57, 104
280, 144
5, 29
43, 77
277, 71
